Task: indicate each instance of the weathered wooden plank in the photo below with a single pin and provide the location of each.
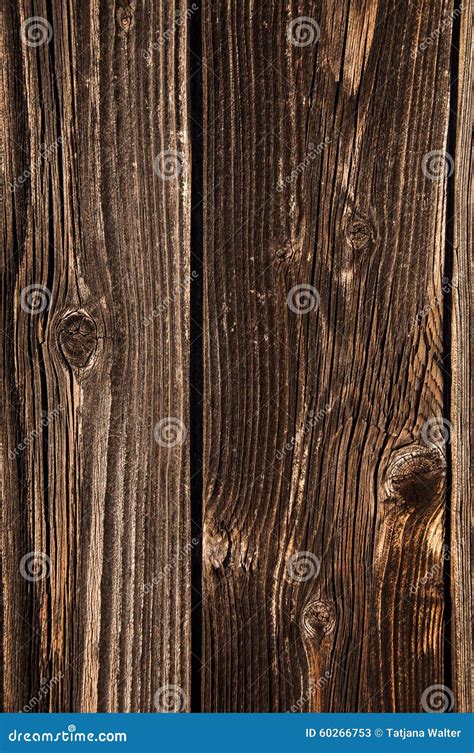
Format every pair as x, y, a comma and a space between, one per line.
336, 368
460, 245
96, 317
325, 132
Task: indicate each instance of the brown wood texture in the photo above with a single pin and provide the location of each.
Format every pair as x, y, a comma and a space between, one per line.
236, 373
460, 246
325, 426
102, 504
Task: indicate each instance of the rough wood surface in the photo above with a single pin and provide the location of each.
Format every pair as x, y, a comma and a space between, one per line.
325, 487
236, 375
461, 243
101, 352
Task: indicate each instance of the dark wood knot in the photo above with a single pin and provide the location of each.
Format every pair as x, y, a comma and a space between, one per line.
282, 254
359, 232
286, 253
318, 619
77, 338
125, 18
416, 475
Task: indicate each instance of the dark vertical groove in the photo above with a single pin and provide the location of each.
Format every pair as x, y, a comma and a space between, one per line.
447, 337
196, 356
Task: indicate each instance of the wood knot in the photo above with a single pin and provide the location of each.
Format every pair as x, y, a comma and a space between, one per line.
125, 18
226, 551
416, 475
218, 547
359, 232
282, 254
318, 619
285, 253
77, 338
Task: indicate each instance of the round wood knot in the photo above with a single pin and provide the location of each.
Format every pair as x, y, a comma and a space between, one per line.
318, 619
416, 475
360, 233
77, 338
125, 18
